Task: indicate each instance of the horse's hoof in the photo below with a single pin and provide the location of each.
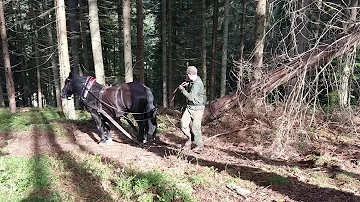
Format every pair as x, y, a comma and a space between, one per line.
102, 143
109, 141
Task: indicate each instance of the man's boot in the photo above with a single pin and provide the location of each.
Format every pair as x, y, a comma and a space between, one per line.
198, 149
187, 145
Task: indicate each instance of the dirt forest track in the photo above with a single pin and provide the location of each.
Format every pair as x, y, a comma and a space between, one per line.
235, 152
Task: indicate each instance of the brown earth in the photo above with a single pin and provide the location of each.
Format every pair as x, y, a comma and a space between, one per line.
236, 146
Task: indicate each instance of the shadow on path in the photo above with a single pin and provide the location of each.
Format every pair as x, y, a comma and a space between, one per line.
295, 190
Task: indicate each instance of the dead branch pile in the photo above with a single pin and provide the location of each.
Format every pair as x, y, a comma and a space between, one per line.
321, 54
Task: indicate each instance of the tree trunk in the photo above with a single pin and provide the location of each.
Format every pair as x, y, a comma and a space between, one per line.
127, 42
315, 57
140, 39
214, 51
242, 31
38, 75
303, 38
2, 103
64, 63
259, 35
349, 57
224, 49
8, 73
96, 42
39, 93
163, 41
54, 67
73, 36
84, 47
74, 43
240, 66
170, 52
203, 48
121, 39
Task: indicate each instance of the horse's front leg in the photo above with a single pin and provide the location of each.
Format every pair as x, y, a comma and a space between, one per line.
141, 135
106, 127
99, 125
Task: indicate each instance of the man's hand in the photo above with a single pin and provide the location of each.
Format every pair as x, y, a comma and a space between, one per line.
182, 86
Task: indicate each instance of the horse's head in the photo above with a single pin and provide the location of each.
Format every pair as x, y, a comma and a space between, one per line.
67, 91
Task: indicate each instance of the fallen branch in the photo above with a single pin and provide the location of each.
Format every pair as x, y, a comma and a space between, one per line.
217, 135
171, 121
323, 53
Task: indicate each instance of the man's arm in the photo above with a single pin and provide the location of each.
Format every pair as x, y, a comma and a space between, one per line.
192, 96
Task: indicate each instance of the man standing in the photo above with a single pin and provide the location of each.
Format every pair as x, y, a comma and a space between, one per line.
194, 109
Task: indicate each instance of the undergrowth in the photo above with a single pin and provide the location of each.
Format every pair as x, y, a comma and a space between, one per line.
47, 178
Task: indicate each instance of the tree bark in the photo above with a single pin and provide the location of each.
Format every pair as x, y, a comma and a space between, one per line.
64, 63
84, 46
203, 49
163, 41
74, 43
170, 52
259, 35
38, 75
8, 73
73, 36
349, 57
54, 67
240, 65
321, 54
140, 39
96, 42
121, 39
242, 31
127, 42
214, 50
224, 49
2, 103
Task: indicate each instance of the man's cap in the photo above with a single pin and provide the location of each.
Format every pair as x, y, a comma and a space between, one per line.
191, 70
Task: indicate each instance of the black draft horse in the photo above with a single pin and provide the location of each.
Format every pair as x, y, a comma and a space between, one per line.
118, 101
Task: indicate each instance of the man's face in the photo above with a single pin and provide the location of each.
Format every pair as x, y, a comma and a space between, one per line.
187, 76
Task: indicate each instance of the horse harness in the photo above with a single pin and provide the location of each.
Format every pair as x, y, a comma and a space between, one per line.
88, 85
86, 90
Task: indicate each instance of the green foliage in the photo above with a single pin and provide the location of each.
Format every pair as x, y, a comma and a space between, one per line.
151, 186
332, 101
82, 115
20, 177
275, 179
318, 160
204, 177
346, 177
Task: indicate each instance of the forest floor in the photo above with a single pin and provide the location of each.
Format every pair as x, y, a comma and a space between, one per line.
323, 165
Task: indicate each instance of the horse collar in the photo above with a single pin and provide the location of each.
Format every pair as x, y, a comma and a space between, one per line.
88, 84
